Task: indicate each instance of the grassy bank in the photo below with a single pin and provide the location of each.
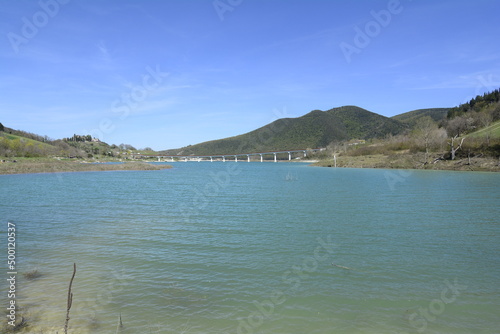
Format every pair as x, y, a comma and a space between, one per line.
411, 161
47, 165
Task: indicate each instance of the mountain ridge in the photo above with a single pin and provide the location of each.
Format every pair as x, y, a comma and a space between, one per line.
317, 128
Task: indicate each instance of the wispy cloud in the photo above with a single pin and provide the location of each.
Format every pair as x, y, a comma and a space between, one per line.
106, 57
416, 59
485, 79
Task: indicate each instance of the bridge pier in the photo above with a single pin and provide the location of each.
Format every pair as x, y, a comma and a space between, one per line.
199, 158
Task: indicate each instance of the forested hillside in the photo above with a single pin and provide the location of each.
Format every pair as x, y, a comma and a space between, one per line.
316, 129
411, 117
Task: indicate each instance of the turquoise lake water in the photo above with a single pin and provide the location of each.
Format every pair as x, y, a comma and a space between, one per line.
257, 248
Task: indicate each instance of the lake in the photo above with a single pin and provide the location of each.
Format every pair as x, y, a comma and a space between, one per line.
256, 248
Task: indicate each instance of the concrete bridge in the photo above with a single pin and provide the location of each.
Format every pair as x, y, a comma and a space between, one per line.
229, 157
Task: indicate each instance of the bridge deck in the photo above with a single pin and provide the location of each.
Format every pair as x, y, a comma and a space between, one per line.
236, 155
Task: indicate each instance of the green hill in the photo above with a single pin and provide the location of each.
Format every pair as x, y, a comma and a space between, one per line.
364, 124
20, 143
411, 117
493, 131
315, 129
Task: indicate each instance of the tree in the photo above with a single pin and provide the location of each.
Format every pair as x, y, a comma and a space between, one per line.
496, 112
485, 118
423, 131
126, 147
2, 128
458, 125
454, 149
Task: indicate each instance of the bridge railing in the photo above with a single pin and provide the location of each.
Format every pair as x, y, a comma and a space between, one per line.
236, 155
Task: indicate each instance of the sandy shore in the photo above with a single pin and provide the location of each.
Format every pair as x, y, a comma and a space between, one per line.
26, 166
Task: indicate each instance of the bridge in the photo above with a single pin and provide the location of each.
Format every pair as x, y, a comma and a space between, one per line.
228, 157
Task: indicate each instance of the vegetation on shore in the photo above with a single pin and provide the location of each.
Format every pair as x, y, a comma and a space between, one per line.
410, 161
419, 149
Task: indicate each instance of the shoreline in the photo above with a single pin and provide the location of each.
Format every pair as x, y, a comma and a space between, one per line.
43, 166
397, 161
414, 162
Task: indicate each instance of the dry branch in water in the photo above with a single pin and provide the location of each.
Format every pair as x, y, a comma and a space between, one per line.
70, 299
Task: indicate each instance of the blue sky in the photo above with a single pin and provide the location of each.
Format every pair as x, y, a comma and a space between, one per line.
166, 74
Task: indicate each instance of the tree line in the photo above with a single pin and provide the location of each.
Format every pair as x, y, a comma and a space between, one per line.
477, 104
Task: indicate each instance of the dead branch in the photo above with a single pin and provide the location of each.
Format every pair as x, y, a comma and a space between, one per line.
119, 327
70, 299
439, 158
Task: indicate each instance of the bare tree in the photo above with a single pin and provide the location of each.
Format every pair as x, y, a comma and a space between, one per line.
439, 139
424, 131
454, 149
458, 125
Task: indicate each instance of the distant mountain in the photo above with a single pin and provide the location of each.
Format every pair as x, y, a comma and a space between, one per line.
411, 117
315, 129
